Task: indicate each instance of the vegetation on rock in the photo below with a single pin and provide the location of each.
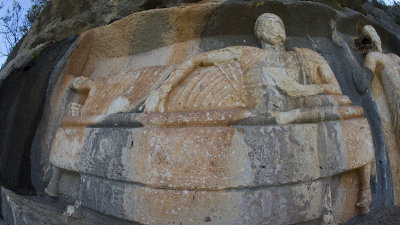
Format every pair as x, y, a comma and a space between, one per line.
13, 25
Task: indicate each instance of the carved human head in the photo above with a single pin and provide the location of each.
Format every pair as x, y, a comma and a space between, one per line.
370, 32
270, 29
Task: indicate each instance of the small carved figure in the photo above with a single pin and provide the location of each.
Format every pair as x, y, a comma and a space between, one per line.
75, 109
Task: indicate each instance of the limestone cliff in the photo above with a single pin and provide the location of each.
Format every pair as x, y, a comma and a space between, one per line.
129, 111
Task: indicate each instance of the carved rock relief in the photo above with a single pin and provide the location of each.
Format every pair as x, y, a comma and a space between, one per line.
240, 135
385, 88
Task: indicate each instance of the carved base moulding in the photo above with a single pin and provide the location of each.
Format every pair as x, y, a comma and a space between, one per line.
242, 174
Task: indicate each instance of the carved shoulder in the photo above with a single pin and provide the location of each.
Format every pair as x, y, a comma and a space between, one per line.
318, 70
395, 58
373, 59
310, 55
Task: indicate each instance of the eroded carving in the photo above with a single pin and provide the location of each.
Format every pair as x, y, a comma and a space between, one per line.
264, 81
270, 80
385, 88
227, 136
369, 41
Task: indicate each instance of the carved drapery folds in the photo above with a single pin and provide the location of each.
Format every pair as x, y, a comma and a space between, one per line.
385, 88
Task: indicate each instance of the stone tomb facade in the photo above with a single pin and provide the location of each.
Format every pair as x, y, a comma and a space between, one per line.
239, 135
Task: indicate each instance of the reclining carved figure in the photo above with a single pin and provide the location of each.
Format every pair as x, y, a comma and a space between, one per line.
196, 135
272, 80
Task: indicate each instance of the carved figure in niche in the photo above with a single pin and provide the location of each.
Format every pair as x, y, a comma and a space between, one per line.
104, 96
385, 88
194, 142
386, 69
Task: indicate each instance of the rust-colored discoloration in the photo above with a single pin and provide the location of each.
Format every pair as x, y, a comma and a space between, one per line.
168, 154
347, 192
81, 54
122, 92
81, 121
360, 157
175, 206
187, 150
351, 112
362, 147
193, 157
118, 40
186, 25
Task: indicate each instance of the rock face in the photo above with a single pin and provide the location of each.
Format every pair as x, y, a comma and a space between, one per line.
24, 90
185, 115
64, 18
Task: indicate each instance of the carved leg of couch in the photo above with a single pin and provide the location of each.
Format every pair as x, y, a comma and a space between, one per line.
364, 174
52, 187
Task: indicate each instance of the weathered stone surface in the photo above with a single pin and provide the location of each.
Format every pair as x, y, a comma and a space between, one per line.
64, 18
19, 210
385, 88
237, 156
22, 210
100, 124
157, 206
190, 155
24, 90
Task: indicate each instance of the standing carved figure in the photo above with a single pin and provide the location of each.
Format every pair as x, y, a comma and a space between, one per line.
385, 89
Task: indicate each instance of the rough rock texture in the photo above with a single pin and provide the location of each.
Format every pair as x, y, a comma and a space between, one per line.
24, 90
385, 216
189, 163
64, 18
113, 167
385, 88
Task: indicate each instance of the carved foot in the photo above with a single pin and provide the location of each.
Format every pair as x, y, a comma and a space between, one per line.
74, 211
365, 200
52, 189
